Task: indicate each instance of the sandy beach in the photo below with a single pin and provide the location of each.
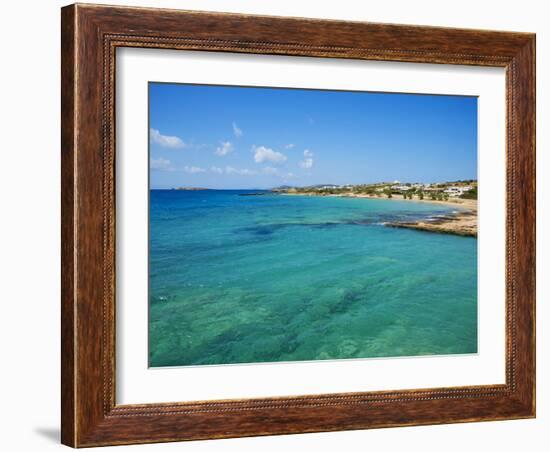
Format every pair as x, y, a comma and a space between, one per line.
470, 204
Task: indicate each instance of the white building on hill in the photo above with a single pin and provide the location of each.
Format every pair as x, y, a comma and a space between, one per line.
457, 191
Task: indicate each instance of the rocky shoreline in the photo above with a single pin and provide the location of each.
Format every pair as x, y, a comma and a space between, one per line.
459, 223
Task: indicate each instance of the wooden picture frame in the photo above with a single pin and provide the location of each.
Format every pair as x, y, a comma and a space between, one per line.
90, 36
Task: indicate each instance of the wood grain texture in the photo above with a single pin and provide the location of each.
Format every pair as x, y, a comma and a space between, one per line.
68, 244
90, 36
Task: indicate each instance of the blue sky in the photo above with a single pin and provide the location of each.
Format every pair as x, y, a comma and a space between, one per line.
239, 137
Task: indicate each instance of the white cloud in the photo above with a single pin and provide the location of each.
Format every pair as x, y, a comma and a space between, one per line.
166, 141
160, 164
289, 145
238, 132
241, 172
233, 170
263, 154
277, 172
307, 163
193, 169
224, 148
270, 170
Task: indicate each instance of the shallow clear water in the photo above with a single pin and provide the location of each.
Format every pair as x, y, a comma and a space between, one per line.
240, 279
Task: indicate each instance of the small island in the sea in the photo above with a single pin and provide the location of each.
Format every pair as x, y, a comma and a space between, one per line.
332, 263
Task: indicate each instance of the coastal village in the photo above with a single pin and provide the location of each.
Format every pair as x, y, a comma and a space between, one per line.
459, 194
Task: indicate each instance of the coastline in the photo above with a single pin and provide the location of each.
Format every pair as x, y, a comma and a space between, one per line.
459, 223
462, 222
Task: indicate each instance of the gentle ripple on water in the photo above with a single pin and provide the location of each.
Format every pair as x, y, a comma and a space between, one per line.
288, 278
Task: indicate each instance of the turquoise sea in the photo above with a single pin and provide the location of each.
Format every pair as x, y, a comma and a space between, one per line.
243, 279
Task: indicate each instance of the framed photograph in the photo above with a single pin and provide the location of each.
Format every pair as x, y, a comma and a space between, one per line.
282, 225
